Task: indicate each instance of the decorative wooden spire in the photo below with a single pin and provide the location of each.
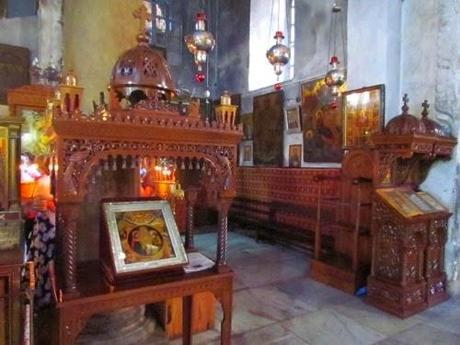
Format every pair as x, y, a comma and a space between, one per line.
425, 106
405, 107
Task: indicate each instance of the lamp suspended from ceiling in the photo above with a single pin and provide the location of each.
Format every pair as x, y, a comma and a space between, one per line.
335, 76
200, 43
279, 54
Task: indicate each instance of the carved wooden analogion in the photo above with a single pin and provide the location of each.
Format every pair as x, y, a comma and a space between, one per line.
409, 227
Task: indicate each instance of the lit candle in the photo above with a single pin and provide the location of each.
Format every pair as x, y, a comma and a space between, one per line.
31, 266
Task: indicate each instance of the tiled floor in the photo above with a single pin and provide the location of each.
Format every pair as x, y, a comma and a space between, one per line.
276, 303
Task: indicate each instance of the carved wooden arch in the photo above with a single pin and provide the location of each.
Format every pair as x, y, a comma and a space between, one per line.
85, 174
78, 165
358, 163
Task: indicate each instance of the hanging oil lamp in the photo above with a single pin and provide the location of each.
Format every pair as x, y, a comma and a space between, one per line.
200, 43
335, 76
278, 56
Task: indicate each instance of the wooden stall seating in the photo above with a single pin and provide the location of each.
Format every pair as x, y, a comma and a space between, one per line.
280, 203
346, 264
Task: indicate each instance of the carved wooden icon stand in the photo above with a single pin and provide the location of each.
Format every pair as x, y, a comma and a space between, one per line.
409, 228
84, 143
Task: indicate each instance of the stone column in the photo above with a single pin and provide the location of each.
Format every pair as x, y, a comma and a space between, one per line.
447, 112
50, 37
431, 70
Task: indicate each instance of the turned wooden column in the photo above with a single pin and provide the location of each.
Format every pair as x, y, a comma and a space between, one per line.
224, 204
68, 214
191, 196
10, 176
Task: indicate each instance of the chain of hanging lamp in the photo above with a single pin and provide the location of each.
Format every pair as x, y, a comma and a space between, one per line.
279, 54
335, 76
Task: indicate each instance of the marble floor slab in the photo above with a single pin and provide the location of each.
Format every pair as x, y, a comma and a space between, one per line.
373, 318
256, 275
316, 295
444, 316
326, 327
422, 334
276, 303
270, 335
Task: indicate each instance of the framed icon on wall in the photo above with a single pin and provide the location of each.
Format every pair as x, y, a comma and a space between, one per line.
295, 156
363, 115
293, 120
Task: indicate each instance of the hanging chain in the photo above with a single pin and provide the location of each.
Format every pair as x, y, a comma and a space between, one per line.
271, 22
344, 50
279, 14
334, 15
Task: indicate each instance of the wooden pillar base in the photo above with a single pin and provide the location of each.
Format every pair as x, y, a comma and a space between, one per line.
402, 301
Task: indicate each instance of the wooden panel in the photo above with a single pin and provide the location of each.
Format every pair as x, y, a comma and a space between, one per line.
14, 68
297, 186
10, 316
169, 314
268, 129
283, 199
3, 310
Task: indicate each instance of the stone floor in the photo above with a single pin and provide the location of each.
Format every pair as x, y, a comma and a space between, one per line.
275, 302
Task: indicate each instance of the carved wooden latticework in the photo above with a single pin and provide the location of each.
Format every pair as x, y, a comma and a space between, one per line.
417, 149
86, 144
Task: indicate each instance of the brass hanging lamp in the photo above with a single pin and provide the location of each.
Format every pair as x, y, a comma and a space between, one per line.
335, 76
200, 43
279, 54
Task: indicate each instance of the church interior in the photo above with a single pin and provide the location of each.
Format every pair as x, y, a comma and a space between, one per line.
229, 172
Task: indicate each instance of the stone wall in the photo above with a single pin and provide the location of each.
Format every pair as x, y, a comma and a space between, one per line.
373, 51
21, 32
374, 44
431, 70
50, 38
95, 34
